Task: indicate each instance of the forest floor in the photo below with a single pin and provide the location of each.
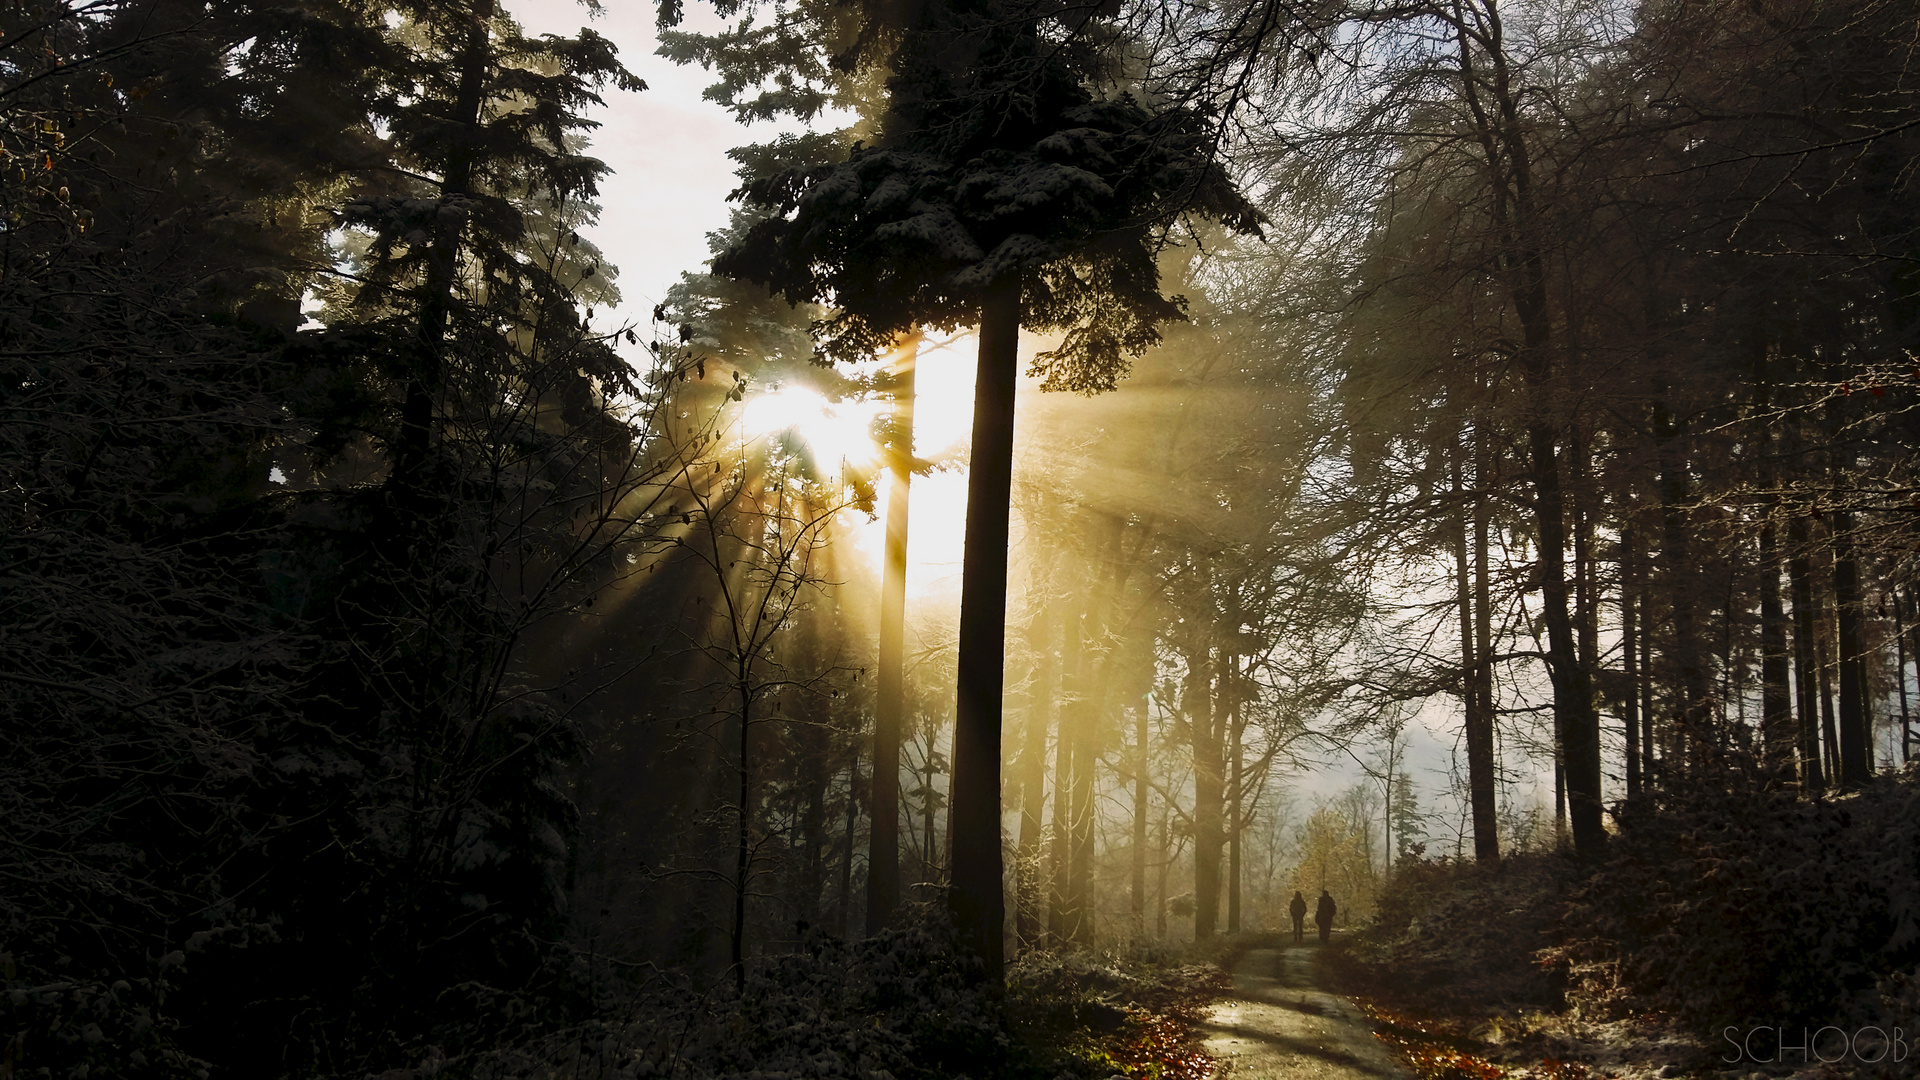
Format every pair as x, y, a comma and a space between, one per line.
1284, 1020
1465, 1028
1460, 990
1279, 1025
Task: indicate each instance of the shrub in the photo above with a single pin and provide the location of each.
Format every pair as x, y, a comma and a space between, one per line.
1739, 904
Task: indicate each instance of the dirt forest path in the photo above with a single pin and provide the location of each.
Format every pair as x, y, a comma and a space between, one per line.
1279, 1025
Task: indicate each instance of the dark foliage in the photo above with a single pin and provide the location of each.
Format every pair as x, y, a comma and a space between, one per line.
1739, 904
1002, 153
282, 795
1462, 937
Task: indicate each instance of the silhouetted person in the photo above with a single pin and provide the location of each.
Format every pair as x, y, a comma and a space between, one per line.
1299, 909
1323, 915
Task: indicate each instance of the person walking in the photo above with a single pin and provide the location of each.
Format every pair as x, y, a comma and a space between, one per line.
1299, 910
1323, 915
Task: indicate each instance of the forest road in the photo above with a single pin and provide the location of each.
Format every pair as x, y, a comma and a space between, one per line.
1279, 1025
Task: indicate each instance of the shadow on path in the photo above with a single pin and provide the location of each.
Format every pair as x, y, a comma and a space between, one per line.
1279, 1025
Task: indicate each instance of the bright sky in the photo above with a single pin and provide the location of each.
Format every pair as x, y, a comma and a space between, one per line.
667, 146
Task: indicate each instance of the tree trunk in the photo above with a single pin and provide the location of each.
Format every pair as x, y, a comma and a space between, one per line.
1166, 866
1907, 738
1827, 726
1031, 929
1677, 555
427, 380
929, 807
889, 706
1900, 669
1097, 675
1482, 769
846, 863
813, 831
1776, 704
1208, 782
1060, 848
743, 845
1559, 795
1469, 657
1585, 595
1647, 761
1137, 896
1503, 139
1856, 715
976, 900
1805, 667
1235, 792
1630, 668
1082, 707
1574, 719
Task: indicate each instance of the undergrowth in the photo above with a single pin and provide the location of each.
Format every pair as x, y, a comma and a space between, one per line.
1105, 1016
905, 1004
1733, 905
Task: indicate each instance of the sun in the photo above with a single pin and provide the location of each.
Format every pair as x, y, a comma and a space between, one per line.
839, 433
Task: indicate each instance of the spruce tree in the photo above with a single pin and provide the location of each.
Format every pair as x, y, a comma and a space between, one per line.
1015, 182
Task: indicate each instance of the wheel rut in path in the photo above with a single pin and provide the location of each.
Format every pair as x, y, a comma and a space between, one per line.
1279, 1025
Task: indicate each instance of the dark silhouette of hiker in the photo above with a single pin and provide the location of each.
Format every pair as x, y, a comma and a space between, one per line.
1299, 909
1323, 915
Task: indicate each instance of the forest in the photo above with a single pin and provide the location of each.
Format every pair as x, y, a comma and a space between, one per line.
1125, 461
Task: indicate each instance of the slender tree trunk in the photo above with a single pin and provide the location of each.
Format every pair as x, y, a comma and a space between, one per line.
1630, 668
1677, 555
1096, 678
846, 862
930, 808
1585, 594
1208, 785
1479, 733
813, 833
1647, 761
1827, 724
1084, 707
1587, 598
1483, 772
1033, 768
1806, 668
743, 841
1235, 792
1166, 866
1776, 703
1900, 669
1573, 693
1907, 737
1059, 872
1559, 799
889, 707
1142, 761
1856, 716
